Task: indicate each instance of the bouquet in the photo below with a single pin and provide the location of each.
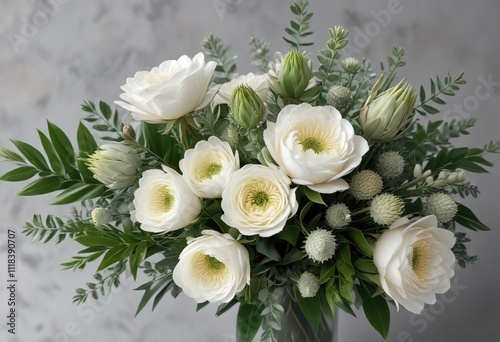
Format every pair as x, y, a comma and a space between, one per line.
292, 191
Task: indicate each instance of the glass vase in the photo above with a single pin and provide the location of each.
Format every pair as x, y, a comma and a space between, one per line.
296, 328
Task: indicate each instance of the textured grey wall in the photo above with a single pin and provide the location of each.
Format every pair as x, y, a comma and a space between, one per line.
85, 49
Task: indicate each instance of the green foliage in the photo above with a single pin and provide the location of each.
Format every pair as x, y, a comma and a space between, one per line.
259, 50
272, 315
103, 287
104, 120
460, 250
394, 62
299, 28
376, 310
438, 87
217, 51
248, 322
52, 227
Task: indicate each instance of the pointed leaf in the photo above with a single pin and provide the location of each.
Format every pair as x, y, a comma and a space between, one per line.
32, 154
20, 174
41, 186
248, 322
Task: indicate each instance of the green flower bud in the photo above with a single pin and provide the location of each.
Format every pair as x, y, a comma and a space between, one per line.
247, 108
294, 74
385, 116
350, 65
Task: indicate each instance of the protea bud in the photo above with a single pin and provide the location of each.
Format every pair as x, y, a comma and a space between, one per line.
294, 74
247, 108
115, 165
385, 116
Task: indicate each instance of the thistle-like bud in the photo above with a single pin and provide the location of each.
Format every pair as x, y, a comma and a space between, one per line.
338, 216
442, 206
294, 74
231, 135
386, 208
115, 165
365, 185
339, 97
100, 216
320, 245
390, 164
350, 65
384, 117
308, 285
247, 108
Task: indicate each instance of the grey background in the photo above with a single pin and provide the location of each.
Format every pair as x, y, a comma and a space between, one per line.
86, 49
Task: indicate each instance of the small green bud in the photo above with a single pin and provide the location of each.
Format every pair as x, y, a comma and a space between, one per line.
247, 108
350, 65
294, 74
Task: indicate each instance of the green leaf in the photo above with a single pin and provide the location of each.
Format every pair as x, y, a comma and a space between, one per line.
138, 257
105, 110
93, 240
311, 308
79, 192
86, 142
265, 246
376, 311
20, 174
313, 196
63, 147
149, 291
112, 256
32, 154
54, 160
41, 186
360, 242
366, 266
248, 322
468, 219
10, 155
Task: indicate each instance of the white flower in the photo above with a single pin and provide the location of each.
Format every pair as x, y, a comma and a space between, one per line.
308, 285
170, 91
256, 82
164, 202
115, 165
320, 245
213, 267
315, 146
415, 262
208, 166
258, 200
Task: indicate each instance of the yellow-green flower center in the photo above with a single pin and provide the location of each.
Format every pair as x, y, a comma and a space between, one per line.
163, 200
210, 269
312, 144
320, 139
207, 167
212, 170
259, 196
421, 259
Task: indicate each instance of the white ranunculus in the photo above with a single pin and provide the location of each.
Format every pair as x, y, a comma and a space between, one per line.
315, 146
207, 167
258, 200
256, 82
170, 91
213, 267
415, 261
164, 202
115, 165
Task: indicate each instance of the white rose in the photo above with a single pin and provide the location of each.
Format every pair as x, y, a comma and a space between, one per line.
115, 165
213, 267
164, 202
208, 166
315, 146
170, 91
256, 82
258, 200
415, 261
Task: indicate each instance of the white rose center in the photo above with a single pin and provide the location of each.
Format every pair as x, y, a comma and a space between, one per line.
163, 200
318, 138
210, 269
207, 168
421, 259
259, 196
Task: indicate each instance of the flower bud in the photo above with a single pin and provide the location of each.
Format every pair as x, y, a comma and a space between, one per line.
247, 108
365, 185
390, 164
339, 97
386, 208
384, 117
115, 165
461, 176
129, 132
320, 245
100, 216
350, 65
417, 171
442, 206
308, 285
338, 216
294, 74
